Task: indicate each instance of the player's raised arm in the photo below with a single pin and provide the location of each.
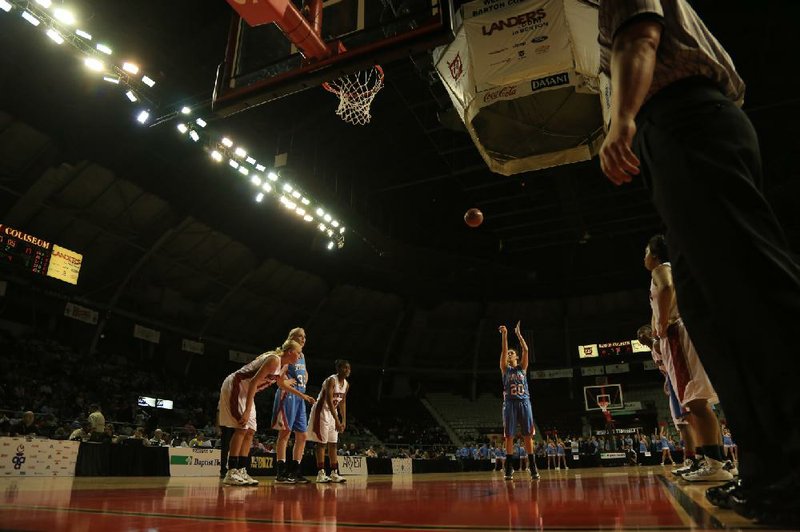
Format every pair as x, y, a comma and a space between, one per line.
503, 348
524, 346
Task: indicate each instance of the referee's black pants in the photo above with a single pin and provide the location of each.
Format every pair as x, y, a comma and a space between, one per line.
737, 285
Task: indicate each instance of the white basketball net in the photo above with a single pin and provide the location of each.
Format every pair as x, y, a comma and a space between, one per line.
356, 92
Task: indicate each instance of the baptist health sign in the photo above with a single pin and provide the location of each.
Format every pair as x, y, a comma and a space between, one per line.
186, 462
23, 457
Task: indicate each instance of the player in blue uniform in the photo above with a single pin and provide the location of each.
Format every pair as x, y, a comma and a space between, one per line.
517, 410
289, 415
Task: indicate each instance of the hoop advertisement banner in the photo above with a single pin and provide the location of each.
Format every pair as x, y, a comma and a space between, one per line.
33, 457
353, 465
186, 462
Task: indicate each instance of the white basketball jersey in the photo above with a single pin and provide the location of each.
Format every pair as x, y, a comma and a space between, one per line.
339, 390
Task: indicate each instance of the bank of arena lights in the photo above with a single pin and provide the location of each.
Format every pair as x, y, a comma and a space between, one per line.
63, 27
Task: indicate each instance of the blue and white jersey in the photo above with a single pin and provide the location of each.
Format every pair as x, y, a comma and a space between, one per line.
298, 372
500, 452
515, 384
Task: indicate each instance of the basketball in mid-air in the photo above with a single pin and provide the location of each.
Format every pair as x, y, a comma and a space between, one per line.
473, 217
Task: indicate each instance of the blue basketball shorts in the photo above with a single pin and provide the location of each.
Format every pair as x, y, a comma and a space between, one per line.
517, 414
289, 413
675, 408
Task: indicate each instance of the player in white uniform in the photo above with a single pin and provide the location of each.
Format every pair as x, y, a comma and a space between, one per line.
328, 419
683, 366
237, 409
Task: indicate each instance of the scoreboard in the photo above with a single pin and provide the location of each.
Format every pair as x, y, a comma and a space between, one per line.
38, 256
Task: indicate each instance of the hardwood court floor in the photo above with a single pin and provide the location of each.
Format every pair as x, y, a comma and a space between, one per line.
628, 498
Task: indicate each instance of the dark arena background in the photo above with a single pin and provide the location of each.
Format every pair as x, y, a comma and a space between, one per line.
177, 193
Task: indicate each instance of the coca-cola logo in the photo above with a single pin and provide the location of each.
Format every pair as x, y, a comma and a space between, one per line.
531, 17
505, 92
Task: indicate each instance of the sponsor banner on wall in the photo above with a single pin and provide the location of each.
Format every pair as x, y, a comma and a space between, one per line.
240, 356
593, 370
194, 462
35, 457
81, 313
588, 351
262, 465
552, 373
618, 368
190, 346
631, 430
401, 466
353, 465
147, 334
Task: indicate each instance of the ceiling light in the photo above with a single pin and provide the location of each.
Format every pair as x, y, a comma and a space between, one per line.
255, 180
186, 110
327, 217
64, 16
103, 48
217, 156
148, 81
95, 64
335, 223
111, 79
240, 152
301, 211
142, 117
30, 18
308, 218
194, 135
260, 167
290, 205
227, 142
341, 230
131, 96
321, 227
266, 188
330, 245
330, 233
304, 200
182, 128
320, 212
233, 164
130, 67
250, 160
272, 176
243, 170
259, 197
200, 122
45, 3
296, 194
85, 35
5, 6
55, 36
287, 187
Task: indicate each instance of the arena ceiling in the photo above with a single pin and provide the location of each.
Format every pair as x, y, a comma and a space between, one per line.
162, 227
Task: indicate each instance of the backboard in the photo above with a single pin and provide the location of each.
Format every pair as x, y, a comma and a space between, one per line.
261, 63
609, 394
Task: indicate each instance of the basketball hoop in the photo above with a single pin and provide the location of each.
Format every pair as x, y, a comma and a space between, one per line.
356, 92
603, 406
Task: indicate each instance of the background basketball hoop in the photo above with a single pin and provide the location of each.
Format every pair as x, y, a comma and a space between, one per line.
356, 92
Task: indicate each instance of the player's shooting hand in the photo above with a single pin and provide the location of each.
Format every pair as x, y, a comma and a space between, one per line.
503, 330
616, 158
517, 329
